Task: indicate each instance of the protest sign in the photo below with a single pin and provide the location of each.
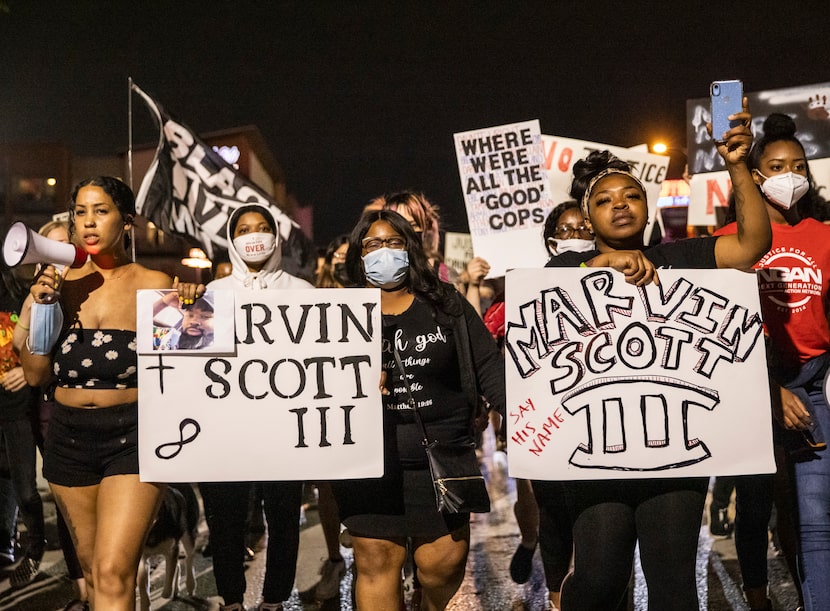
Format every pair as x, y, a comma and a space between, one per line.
562, 153
606, 380
506, 193
458, 250
808, 105
298, 400
710, 191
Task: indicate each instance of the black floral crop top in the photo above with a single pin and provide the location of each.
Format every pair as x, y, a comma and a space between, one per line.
96, 359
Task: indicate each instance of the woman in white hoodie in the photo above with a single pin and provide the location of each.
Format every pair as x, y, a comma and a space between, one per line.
254, 249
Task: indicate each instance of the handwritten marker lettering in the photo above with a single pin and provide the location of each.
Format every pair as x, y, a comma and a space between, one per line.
166, 451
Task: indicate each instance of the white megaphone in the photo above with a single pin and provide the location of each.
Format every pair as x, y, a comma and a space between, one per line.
23, 246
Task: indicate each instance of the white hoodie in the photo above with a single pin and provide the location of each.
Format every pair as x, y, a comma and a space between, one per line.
269, 277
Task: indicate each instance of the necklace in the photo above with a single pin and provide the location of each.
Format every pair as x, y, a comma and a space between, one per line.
112, 277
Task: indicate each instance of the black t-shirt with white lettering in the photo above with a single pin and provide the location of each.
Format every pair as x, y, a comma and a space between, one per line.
428, 354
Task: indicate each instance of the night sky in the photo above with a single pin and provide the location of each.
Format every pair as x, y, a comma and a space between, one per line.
359, 98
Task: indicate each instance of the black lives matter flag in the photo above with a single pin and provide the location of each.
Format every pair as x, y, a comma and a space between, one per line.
190, 191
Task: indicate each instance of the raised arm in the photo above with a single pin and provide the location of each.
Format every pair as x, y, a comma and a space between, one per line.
754, 236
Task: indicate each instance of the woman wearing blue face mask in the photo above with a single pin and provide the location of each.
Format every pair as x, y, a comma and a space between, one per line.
449, 359
794, 284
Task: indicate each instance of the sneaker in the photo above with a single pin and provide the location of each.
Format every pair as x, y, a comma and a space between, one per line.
25, 572
522, 564
346, 538
331, 573
719, 524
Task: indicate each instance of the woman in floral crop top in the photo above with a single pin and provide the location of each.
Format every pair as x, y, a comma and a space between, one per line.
91, 454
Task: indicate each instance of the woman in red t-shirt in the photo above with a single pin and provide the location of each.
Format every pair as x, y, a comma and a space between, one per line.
793, 281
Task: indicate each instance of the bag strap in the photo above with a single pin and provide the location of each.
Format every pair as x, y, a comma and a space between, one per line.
411, 399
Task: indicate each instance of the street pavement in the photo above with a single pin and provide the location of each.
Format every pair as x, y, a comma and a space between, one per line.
487, 585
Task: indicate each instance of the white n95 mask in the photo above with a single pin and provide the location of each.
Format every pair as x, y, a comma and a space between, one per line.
785, 189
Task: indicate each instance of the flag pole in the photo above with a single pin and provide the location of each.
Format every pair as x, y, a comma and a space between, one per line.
130, 129
130, 152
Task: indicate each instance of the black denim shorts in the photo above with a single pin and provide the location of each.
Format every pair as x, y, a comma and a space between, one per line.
83, 445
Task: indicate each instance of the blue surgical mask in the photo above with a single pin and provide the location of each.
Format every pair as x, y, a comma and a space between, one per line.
44, 327
386, 268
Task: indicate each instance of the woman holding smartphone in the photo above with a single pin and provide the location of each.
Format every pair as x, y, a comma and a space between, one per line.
662, 515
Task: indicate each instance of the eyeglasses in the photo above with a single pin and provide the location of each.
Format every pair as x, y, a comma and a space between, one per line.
372, 244
566, 231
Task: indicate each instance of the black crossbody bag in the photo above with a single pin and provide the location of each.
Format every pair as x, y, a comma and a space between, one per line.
456, 477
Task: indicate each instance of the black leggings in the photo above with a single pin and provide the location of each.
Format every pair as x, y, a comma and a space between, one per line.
753, 500
555, 531
664, 515
226, 513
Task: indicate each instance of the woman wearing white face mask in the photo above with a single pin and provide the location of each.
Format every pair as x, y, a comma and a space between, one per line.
566, 230
449, 358
254, 251
794, 301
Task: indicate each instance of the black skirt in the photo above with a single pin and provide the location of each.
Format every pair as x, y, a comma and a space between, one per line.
400, 504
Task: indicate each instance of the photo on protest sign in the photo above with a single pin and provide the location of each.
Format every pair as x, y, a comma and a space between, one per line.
167, 325
609, 381
299, 399
506, 192
808, 105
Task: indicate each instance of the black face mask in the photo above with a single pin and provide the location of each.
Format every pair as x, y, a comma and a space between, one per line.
340, 274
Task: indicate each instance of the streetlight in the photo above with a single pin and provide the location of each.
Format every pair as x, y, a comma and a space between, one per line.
677, 163
198, 260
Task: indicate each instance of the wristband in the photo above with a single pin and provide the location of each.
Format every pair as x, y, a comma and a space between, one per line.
582, 264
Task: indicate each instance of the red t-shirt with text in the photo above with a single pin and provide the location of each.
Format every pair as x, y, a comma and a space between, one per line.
793, 288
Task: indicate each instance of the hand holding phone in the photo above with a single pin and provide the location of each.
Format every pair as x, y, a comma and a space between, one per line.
726, 99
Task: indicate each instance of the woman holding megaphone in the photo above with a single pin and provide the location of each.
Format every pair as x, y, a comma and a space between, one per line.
89, 351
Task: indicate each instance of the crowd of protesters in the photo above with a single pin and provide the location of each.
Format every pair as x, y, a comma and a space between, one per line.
81, 385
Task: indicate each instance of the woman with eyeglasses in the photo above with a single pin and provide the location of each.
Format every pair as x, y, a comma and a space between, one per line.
449, 359
566, 230
794, 284
548, 524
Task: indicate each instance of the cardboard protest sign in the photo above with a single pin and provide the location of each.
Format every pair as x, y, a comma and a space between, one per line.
710, 192
562, 153
458, 250
608, 381
709, 198
298, 400
506, 193
808, 105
